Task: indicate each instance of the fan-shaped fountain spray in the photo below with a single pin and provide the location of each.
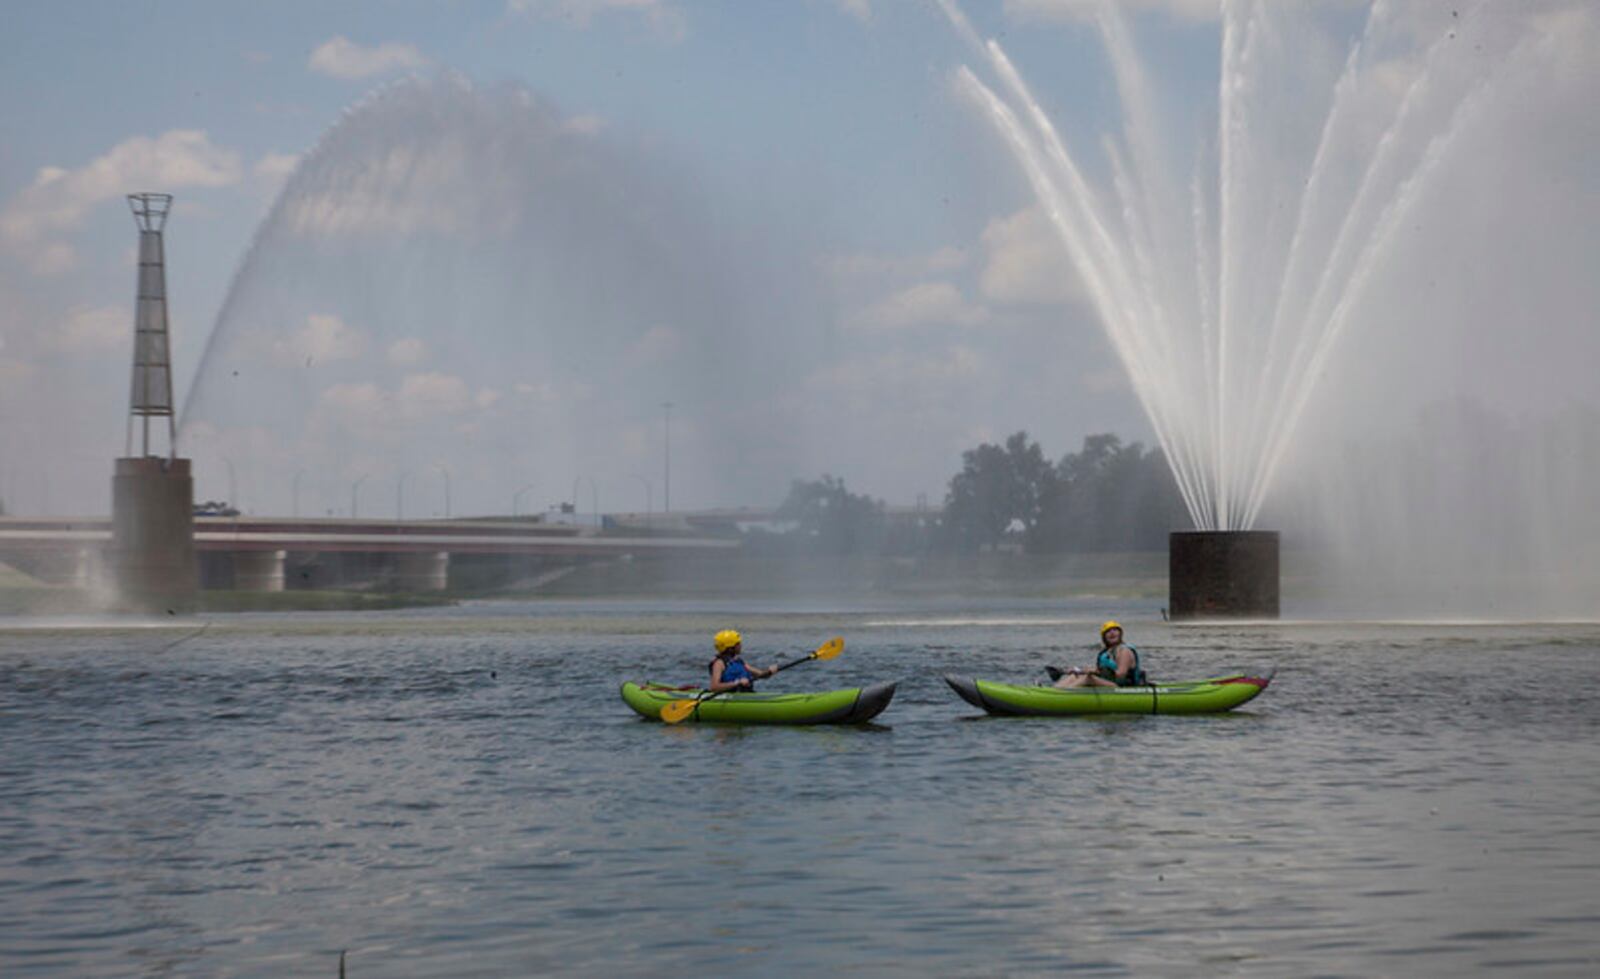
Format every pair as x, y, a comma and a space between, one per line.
1223, 286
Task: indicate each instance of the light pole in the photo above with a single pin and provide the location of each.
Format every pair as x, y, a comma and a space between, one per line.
516, 498
294, 493
445, 472
400, 496
594, 498
355, 488
649, 498
233, 485
666, 505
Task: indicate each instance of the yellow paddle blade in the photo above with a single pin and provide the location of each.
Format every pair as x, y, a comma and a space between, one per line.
828, 650
678, 710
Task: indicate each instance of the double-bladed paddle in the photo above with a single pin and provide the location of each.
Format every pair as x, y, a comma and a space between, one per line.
679, 709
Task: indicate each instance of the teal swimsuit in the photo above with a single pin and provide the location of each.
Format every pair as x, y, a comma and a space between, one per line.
1105, 667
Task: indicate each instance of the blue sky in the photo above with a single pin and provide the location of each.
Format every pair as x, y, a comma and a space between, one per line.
922, 301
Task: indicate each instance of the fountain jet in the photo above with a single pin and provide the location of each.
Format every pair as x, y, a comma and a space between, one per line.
1223, 291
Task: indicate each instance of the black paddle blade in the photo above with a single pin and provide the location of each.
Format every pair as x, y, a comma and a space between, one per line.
1055, 672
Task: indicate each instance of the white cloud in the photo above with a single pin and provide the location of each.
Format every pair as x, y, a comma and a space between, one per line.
660, 16
848, 270
433, 393
859, 9
14, 373
372, 412
58, 199
407, 351
274, 168
1025, 262
924, 304
323, 338
882, 387
657, 344
341, 57
585, 125
92, 329
357, 405
53, 258
1064, 10
544, 392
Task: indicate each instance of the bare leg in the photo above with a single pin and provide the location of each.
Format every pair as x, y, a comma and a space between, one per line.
1083, 680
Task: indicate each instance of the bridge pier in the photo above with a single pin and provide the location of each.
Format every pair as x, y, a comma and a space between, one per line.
85, 572
421, 571
258, 570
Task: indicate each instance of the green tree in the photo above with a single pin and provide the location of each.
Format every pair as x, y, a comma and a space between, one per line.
1112, 497
829, 519
1000, 490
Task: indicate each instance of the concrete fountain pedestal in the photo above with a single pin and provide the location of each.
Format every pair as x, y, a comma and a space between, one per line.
1231, 574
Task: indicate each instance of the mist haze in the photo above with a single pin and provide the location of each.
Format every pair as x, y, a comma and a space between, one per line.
492, 273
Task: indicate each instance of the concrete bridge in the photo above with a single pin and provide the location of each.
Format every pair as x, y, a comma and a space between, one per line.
274, 553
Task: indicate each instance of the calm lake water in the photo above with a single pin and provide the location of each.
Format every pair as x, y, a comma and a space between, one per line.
461, 792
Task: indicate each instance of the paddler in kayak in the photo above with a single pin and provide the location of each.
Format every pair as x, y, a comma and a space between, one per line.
1116, 666
728, 670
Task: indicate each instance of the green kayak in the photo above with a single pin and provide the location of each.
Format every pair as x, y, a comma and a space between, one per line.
852, 706
1191, 697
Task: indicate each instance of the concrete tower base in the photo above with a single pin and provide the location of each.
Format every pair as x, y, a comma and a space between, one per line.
1223, 575
151, 559
416, 572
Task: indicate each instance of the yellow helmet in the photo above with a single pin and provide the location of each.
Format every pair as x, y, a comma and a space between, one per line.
1110, 624
726, 640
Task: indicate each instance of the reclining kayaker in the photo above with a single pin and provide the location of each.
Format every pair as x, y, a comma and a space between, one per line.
1116, 666
728, 670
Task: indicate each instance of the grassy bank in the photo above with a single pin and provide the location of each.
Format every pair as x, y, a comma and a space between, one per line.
312, 601
59, 601
1130, 575
1120, 575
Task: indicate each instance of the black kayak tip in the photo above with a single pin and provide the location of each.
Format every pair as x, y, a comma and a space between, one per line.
967, 689
871, 702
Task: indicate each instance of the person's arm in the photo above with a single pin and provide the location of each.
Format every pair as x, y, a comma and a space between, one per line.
1124, 663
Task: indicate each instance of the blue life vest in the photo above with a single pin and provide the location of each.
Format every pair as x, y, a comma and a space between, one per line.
1105, 665
733, 671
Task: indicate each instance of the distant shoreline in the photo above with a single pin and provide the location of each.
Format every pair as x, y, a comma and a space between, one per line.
1136, 575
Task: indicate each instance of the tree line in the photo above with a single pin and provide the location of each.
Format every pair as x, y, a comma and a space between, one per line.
1105, 497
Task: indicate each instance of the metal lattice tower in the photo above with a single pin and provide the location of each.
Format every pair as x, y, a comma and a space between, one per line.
151, 396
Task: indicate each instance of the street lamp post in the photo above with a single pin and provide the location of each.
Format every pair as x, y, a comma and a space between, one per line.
594, 498
355, 489
233, 485
294, 493
649, 497
445, 472
666, 505
516, 498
